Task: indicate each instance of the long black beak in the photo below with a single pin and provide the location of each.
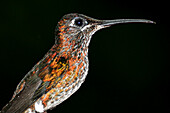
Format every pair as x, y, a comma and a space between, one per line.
107, 23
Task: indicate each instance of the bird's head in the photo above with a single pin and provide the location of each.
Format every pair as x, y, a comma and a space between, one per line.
75, 30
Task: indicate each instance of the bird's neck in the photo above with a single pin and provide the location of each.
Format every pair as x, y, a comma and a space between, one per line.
71, 48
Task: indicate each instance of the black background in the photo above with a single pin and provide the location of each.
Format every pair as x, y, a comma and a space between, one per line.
129, 63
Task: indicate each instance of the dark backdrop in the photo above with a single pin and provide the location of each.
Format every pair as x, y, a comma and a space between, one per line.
129, 63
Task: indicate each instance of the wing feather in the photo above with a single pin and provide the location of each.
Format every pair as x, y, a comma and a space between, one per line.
24, 98
37, 82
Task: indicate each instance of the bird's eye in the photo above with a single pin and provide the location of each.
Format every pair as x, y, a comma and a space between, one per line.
79, 22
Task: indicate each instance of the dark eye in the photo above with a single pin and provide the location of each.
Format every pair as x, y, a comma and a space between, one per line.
79, 22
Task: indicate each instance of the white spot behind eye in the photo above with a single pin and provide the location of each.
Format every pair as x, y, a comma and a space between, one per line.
72, 22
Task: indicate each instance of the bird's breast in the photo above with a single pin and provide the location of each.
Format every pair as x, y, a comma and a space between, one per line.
72, 79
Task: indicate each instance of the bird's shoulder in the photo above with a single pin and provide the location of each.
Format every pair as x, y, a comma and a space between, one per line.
51, 68
38, 81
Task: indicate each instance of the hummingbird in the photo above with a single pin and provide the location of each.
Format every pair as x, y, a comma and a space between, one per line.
64, 67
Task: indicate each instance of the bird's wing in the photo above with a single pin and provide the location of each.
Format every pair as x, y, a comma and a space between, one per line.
51, 76
34, 85
22, 100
